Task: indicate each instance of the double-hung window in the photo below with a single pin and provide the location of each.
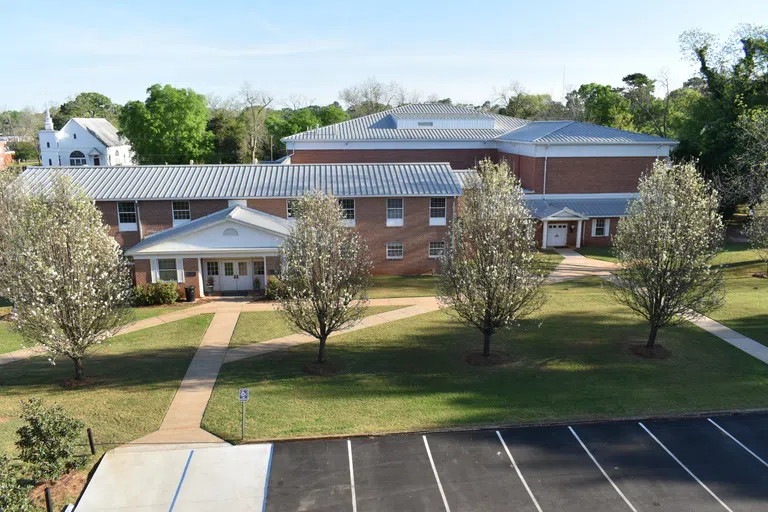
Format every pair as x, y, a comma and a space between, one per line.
213, 268
395, 212
437, 211
166, 270
395, 250
436, 249
181, 212
348, 209
290, 206
601, 227
126, 217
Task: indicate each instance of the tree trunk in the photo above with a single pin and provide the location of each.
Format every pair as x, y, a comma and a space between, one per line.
78, 368
486, 344
652, 337
321, 352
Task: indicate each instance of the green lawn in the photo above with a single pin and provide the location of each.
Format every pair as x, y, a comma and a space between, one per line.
9, 340
571, 362
143, 313
136, 376
598, 253
265, 325
425, 286
746, 297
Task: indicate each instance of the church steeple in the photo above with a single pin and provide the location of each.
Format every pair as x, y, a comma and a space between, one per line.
48, 120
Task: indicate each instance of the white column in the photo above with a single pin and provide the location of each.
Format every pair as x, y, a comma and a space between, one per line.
266, 275
200, 276
578, 233
544, 235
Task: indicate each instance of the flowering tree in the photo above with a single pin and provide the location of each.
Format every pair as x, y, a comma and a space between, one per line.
325, 270
67, 278
488, 274
665, 245
757, 229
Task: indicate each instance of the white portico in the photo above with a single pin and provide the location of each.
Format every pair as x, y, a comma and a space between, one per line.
230, 250
557, 225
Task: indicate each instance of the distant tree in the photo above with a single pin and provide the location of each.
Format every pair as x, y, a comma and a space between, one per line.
517, 102
605, 105
757, 229
228, 129
254, 104
287, 122
488, 274
25, 151
63, 271
665, 246
372, 96
325, 271
21, 123
86, 104
169, 127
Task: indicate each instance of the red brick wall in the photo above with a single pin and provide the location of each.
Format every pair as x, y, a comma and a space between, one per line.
276, 207
588, 239
126, 239
142, 270
580, 175
190, 266
458, 158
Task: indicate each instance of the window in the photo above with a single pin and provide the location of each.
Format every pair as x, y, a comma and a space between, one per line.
230, 232
425, 124
96, 160
258, 268
395, 250
126, 216
290, 204
242, 268
117, 153
166, 270
348, 208
601, 227
437, 208
49, 162
74, 135
47, 144
213, 268
395, 212
181, 212
436, 249
77, 158
229, 268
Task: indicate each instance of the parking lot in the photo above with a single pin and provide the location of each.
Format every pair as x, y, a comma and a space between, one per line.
703, 464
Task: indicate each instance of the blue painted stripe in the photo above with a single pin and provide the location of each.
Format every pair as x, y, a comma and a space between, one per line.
183, 476
266, 481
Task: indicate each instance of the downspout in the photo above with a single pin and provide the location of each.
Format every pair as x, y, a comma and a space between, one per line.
138, 220
544, 189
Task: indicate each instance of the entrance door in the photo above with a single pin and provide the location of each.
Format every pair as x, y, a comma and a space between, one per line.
236, 276
557, 235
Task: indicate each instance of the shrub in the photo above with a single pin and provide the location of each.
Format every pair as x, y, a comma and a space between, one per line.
273, 287
13, 497
47, 440
152, 294
257, 285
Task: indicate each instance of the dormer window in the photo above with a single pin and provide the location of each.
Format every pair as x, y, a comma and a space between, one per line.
74, 135
426, 124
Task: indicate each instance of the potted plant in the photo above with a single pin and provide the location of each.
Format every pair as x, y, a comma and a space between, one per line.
209, 286
257, 285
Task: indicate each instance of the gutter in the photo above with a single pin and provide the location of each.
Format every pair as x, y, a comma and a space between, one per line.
138, 220
544, 190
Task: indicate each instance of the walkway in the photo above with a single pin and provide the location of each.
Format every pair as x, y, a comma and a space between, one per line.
575, 265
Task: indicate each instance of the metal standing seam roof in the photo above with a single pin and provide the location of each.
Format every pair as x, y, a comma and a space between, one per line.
251, 181
610, 207
573, 132
381, 126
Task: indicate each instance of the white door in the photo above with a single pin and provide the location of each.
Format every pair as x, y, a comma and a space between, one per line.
228, 276
236, 276
557, 234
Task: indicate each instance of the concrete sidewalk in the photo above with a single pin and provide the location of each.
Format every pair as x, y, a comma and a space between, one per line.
575, 266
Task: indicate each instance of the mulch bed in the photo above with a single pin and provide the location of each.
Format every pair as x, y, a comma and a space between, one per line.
476, 358
657, 352
77, 384
322, 369
66, 488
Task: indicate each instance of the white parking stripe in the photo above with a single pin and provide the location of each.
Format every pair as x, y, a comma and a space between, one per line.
352, 476
685, 468
738, 442
602, 470
434, 470
519, 474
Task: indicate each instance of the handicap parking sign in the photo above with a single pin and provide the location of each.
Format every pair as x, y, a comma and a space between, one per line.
244, 395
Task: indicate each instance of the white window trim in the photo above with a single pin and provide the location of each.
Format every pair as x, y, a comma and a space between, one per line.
395, 222
350, 222
438, 221
429, 250
127, 226
607, 227
179, 222
386, 251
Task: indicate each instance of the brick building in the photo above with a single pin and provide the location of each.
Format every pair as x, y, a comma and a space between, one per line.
193, 224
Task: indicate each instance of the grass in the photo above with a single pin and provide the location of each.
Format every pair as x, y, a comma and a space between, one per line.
143, 313
746, 297
9, 340
598, 253
266, 325
135, 378
425, 286
571, 362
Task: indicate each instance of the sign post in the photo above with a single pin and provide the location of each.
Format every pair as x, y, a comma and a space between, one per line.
244, 395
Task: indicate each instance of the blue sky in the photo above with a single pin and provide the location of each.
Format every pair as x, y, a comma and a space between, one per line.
461, 50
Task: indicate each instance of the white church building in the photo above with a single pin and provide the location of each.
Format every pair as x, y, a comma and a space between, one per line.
83, 141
